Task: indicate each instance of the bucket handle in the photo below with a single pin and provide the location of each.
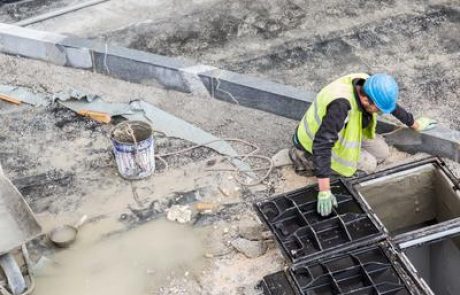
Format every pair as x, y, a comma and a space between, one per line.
130, 131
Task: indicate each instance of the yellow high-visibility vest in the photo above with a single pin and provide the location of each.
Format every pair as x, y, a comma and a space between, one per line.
347, 150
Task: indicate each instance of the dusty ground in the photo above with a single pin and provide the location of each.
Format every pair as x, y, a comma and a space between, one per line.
301, 43
116, 14
63, 165
308, 44
12, 11
219, 118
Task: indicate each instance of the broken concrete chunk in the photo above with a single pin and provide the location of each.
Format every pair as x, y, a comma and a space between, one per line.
282, 158
254, 232
250, 249
229, 188
181, 214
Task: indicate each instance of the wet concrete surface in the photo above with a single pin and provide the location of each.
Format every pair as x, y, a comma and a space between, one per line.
128, 262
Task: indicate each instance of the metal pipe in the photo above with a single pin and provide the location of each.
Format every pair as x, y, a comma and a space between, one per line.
429, 238
447, 229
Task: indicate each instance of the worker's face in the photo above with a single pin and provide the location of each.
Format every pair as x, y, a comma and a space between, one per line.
369, 106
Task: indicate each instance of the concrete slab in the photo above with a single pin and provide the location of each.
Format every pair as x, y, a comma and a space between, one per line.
439, 141
193, 80
78, 58
257, 93
43, 46
139, 67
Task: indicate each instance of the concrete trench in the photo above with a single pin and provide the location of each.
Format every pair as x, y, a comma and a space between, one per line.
411, 199
414, 199
437, 263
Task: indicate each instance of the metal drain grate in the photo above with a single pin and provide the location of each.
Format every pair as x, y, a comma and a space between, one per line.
302, 233
277, 284
363, 271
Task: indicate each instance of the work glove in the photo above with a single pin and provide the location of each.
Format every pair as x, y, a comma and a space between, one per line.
325, 202
425, 124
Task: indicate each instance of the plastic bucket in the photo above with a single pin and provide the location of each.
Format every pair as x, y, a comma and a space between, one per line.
134, 149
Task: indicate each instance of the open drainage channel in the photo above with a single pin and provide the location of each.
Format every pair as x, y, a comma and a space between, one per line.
394, 232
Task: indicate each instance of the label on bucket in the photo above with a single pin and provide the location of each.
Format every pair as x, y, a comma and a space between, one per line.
135, 161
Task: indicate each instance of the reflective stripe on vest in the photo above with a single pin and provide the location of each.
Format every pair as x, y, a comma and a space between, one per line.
345, 143
342, 161
348, 144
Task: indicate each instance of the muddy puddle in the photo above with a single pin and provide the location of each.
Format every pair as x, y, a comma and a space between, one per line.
106, 260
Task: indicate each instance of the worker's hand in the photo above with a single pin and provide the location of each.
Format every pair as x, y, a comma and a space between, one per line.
424, 124
325, 202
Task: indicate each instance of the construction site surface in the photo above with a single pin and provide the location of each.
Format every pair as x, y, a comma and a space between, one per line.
229, 216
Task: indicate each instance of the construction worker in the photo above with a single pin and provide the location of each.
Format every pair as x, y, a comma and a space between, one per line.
337, 135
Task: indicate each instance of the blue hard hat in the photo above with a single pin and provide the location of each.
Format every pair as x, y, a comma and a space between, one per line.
383, 90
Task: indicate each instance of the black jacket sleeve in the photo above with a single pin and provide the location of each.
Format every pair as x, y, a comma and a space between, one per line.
404, 116
327, 135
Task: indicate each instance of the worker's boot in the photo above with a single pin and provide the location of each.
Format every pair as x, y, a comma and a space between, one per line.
300, 160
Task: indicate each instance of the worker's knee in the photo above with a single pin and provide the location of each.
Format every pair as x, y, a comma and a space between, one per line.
367, 162
377, 147
300, 159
